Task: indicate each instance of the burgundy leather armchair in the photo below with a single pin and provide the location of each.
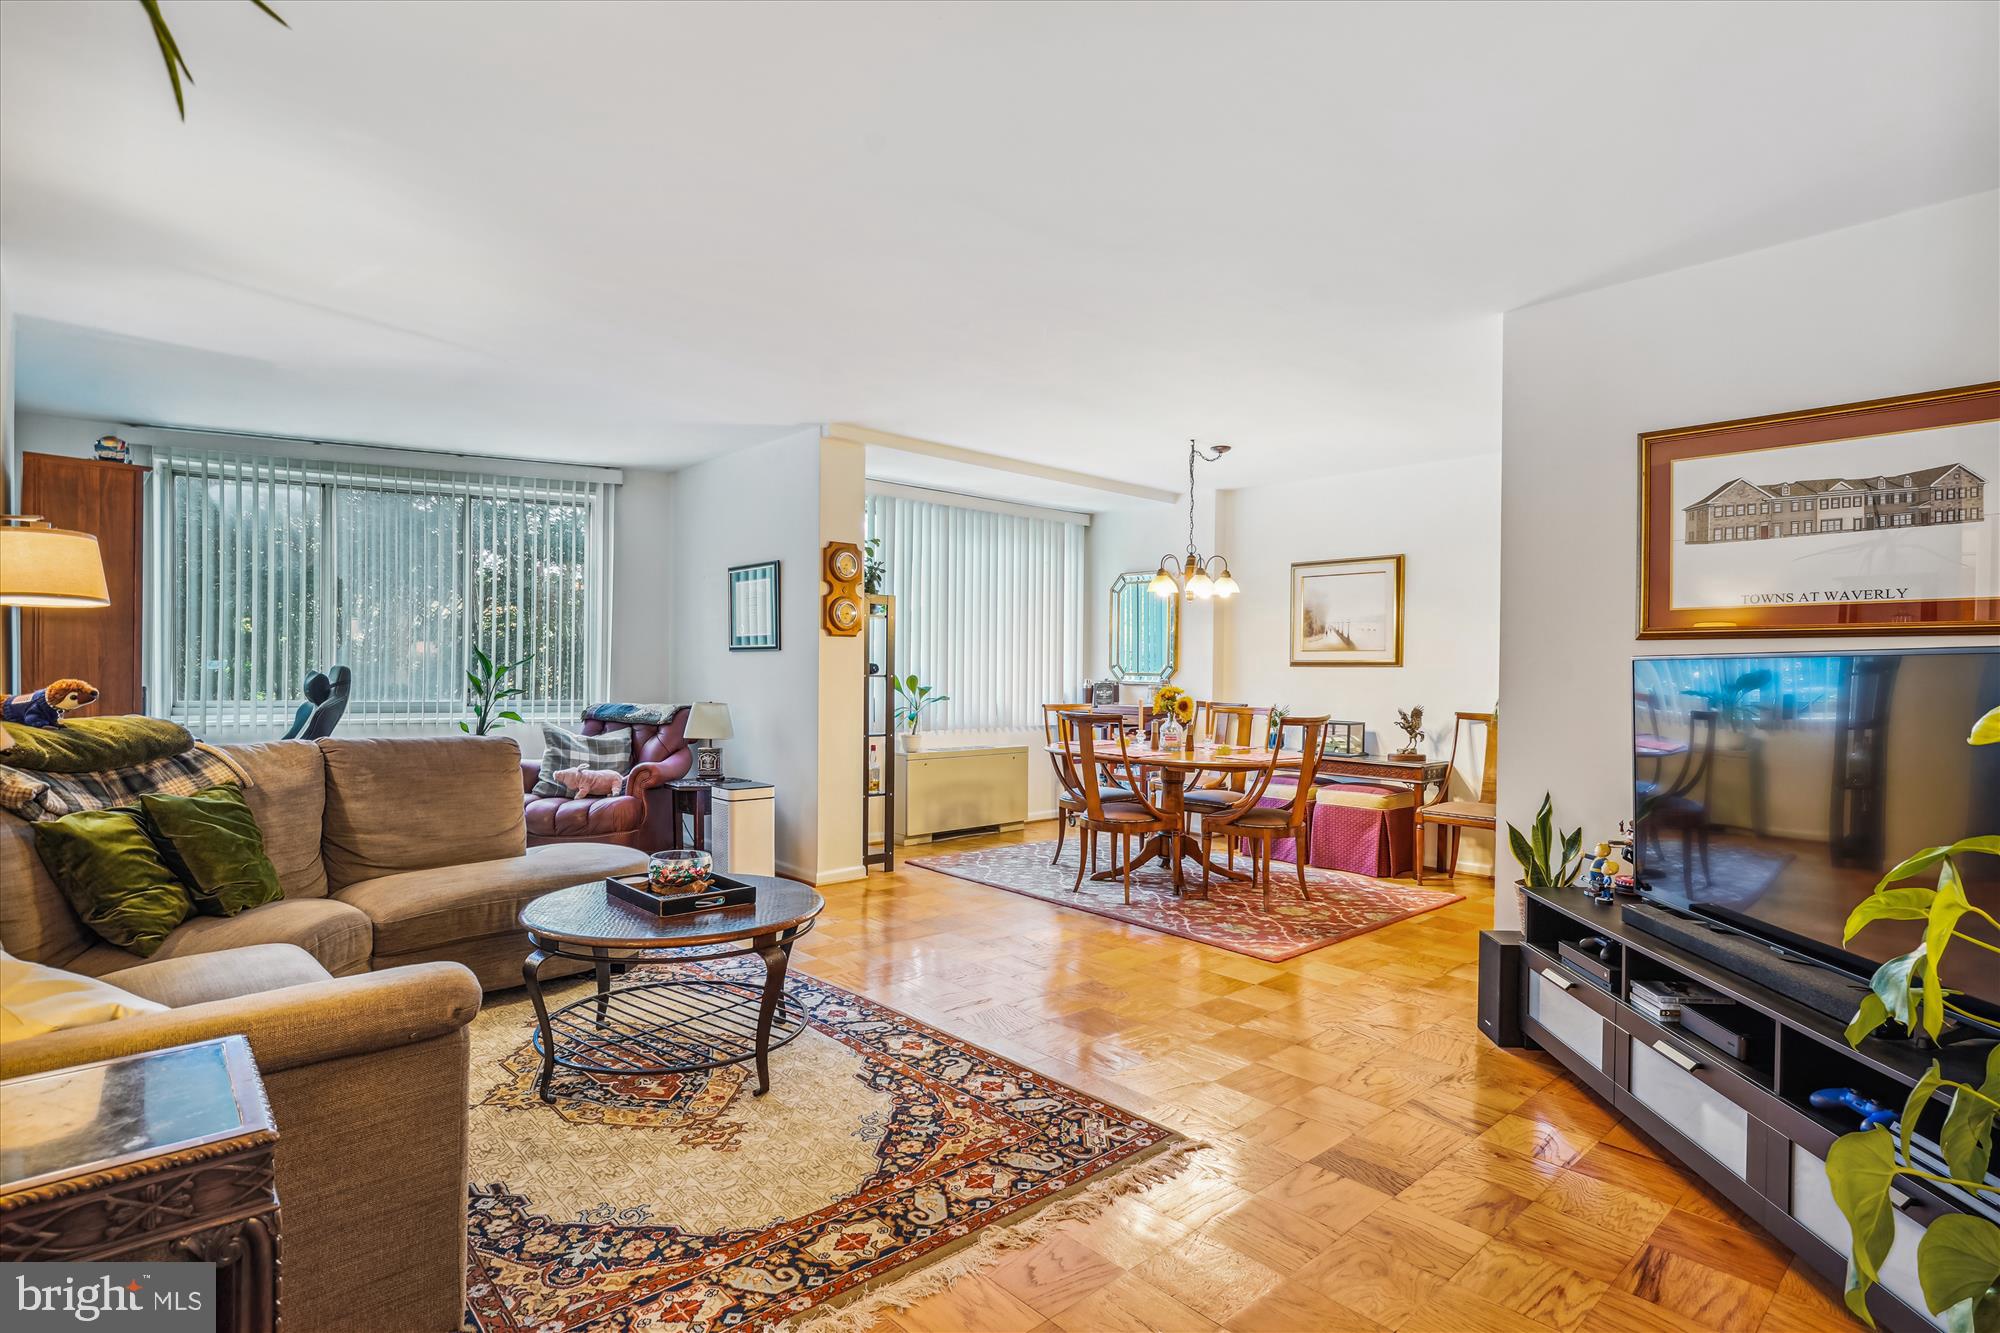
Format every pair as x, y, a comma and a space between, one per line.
642, 818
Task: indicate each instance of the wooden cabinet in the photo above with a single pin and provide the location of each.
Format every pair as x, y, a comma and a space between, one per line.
98, 644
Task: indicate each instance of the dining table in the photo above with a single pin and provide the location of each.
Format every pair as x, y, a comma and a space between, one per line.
1180, 766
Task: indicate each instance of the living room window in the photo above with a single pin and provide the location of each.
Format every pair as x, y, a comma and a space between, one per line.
270, 568
989, 604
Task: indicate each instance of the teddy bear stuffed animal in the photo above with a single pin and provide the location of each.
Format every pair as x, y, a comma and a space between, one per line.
45, 707
591, 781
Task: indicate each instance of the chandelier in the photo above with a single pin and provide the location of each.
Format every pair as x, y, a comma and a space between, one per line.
1192, 575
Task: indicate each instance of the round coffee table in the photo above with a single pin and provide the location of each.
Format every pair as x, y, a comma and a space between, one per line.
665, 1027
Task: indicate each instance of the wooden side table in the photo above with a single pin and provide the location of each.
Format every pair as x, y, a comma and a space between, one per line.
161, 1155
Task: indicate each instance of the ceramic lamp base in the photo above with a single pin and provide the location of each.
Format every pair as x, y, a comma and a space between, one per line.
708, 763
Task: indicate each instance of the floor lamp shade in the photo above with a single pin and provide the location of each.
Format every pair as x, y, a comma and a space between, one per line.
46, 566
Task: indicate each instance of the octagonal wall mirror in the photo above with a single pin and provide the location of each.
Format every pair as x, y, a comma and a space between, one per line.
1145, 631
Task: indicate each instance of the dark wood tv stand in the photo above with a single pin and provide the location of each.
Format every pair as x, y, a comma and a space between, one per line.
1742, 1125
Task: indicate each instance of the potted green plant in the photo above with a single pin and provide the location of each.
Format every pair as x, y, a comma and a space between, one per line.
1958, 1258
912, 698
489, 690
1545, 862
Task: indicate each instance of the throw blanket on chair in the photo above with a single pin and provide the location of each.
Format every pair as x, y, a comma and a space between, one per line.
92, 744
648, 715
38, 796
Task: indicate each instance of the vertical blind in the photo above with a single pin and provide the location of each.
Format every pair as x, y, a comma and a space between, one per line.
989, 608
271, 568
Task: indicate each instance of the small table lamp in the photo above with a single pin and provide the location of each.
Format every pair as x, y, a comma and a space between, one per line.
708, 722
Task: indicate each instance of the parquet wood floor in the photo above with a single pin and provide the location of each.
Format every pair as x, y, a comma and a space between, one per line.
1376, 1164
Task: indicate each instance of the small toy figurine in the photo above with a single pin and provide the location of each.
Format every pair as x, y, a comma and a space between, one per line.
45, 707
1608, 861
1872, 1112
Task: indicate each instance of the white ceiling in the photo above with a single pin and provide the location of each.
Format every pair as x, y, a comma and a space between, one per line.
1073, 234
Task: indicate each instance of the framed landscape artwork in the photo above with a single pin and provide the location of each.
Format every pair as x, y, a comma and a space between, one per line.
753, 607
1870, 518
1348, 612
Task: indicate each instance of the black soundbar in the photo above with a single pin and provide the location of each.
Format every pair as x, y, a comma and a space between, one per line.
1796, 978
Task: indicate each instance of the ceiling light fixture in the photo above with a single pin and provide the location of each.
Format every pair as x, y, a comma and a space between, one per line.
1193, 576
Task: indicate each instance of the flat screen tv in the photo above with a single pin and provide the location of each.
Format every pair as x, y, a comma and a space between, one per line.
1772, 792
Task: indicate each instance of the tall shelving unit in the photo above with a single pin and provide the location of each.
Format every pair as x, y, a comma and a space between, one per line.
878, 714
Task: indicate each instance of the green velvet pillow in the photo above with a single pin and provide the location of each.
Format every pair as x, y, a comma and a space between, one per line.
114, 876
212, 841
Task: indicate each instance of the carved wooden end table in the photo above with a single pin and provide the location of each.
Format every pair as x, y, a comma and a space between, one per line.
161, 1155
688, 1022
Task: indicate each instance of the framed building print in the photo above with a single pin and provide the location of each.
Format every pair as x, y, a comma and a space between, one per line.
1869, 518
753, 607
1348, 612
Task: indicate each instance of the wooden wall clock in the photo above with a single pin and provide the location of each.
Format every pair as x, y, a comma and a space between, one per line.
840, 607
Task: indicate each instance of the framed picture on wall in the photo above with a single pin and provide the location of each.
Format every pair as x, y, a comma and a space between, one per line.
1348, 612
753, 607
1868, 518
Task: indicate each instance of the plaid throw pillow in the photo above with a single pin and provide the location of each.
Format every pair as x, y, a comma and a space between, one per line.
572, 749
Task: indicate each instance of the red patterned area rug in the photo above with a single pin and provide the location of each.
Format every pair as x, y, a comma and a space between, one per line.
1231, 916
888, 1159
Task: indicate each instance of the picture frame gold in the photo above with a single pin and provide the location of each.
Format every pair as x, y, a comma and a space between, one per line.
1358, 600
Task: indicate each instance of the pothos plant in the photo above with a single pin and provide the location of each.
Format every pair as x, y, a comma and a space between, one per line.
1958, 1259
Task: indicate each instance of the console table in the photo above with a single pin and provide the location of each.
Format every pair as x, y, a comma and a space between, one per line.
102, 1165
1743, 1124
1418, 774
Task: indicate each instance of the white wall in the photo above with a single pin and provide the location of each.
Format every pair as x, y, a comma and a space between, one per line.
1898, 306
1444, 519
642, 592
796, 712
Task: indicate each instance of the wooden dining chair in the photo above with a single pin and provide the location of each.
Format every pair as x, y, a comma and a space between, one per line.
1228, 724
1262, 826
1124, 819
1070, 801
1450, 817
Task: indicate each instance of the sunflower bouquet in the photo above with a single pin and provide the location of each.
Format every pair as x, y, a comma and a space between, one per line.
1176, 705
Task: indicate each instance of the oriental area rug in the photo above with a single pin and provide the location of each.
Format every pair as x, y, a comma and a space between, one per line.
887, 1159
1230, 916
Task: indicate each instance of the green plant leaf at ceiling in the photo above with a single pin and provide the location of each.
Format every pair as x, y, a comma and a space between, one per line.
170, 50
1958, 1260
1967, 1138
1860, 1167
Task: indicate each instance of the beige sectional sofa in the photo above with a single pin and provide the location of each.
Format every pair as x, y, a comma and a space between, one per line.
390, 853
